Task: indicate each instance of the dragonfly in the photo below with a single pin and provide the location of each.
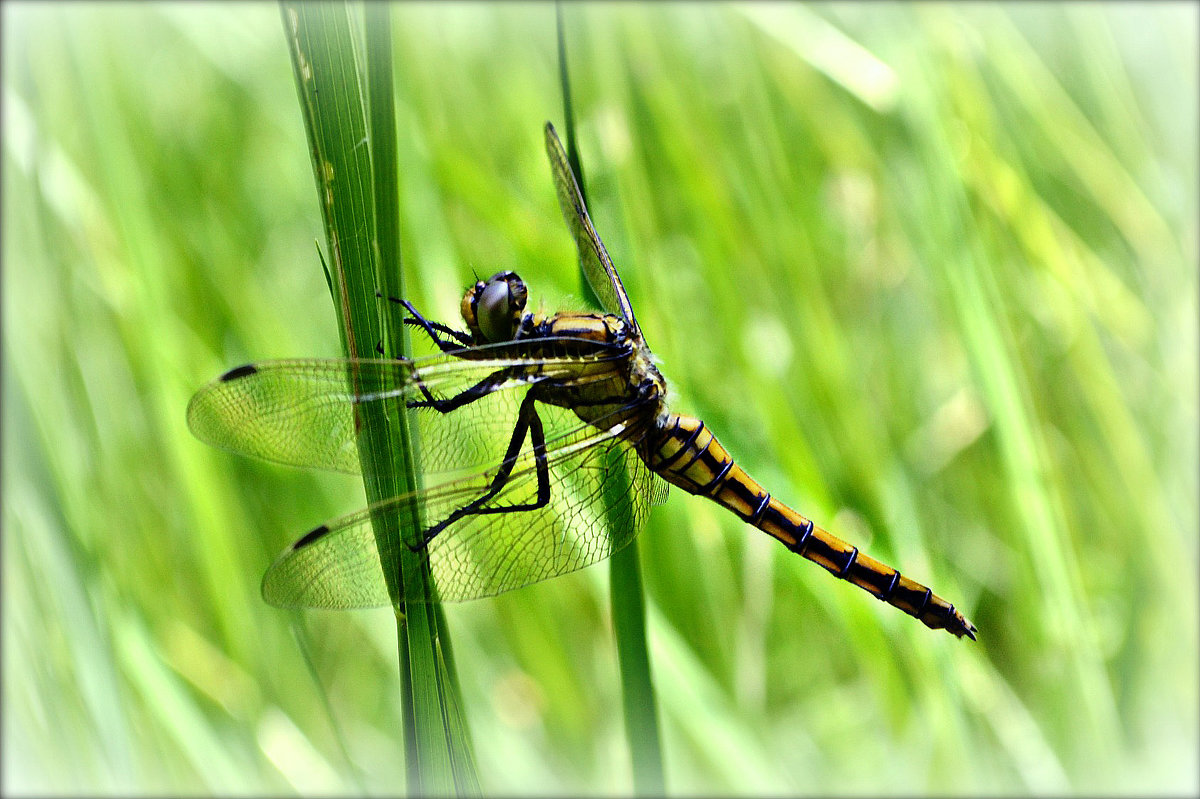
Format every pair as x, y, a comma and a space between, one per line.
543, 442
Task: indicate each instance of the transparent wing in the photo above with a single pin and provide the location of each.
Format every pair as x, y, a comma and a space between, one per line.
590, 515
305, 412
597, 266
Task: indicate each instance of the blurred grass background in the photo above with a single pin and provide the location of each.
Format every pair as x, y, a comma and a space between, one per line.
928, 270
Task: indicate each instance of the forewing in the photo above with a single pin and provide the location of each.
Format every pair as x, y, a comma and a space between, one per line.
597, 266
591, 514
298, 412
304, 412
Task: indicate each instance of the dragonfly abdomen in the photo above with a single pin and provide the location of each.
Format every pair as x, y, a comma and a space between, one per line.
686, 454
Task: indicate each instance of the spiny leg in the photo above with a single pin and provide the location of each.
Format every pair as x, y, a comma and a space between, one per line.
528, 423
465, 397
432, 329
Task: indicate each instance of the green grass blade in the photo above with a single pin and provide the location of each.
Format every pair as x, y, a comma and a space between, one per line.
448, 702
627, 597
354, 191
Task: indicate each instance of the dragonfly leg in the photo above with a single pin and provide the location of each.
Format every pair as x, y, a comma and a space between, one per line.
433, 329
465, 397
528, 424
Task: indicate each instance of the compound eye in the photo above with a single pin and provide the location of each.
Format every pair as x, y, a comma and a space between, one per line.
494, 311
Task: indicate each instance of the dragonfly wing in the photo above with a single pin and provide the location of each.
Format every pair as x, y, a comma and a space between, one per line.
658, 491
591, 514
597, 266
298, 412
305, 412
335, 566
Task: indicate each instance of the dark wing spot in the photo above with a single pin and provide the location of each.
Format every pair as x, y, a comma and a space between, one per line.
239, 372
310, 536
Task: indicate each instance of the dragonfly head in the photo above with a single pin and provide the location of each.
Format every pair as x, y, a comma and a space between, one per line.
493, 308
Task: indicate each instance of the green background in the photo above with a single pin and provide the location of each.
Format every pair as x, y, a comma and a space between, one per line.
929, 271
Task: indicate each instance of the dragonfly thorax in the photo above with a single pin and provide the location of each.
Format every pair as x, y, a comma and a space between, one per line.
493, 308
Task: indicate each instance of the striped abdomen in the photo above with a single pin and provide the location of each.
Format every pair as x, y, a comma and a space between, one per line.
686, 454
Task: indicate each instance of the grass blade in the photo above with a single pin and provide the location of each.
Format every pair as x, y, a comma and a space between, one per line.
627, 597
355, 170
